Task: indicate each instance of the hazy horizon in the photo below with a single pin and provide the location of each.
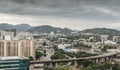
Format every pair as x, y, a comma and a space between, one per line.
73, 14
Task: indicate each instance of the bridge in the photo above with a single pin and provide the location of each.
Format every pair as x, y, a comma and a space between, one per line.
97, 59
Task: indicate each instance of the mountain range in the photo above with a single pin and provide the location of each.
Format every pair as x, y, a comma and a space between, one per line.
102, 31
66, 31
48, 29
35, 29
19, 27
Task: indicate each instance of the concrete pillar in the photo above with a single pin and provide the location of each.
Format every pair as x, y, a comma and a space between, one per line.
110, 59
81, 63
106, 58
100, 60
96, 61
50, 64
31, 67
47, 64
75, 63
44, 66
55, 65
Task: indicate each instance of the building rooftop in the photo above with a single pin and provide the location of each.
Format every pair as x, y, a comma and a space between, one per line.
12, 58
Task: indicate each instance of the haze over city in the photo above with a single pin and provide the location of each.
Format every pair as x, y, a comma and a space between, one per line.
74, 14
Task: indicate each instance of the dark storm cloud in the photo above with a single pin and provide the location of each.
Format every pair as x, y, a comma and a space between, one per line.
98, 10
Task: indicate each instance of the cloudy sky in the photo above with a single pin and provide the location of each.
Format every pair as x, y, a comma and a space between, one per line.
74, 14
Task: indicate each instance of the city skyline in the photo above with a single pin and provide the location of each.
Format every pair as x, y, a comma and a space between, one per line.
73, 14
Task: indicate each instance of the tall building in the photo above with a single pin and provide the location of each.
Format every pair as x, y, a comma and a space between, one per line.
11, 30
116, 39
100, 38
104, 38
24, 36
6, 35
20, 48
97, 38
14, 63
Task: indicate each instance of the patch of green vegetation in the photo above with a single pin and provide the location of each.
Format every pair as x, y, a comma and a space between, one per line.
105, 47
60, 54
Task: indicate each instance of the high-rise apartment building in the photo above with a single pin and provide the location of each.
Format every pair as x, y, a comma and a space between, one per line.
20, 48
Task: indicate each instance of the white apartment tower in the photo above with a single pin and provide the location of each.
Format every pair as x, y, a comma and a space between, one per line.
20, 48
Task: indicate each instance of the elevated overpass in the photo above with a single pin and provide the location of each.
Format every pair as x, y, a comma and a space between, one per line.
76, 59
107, 56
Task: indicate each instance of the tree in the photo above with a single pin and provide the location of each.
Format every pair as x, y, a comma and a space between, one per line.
58, 55
55, 48
44, 43
105, 47
49, 68
87, 63
44, 52
88, 68
91, 40
31, 58
38, 55
116, 67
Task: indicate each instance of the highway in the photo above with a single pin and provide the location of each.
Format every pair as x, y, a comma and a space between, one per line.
75, 59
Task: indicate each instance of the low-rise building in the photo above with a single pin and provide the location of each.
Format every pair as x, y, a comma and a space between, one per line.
63, 46
14, 63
